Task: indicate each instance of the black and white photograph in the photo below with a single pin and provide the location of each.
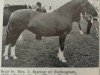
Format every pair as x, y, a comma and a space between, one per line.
50, 33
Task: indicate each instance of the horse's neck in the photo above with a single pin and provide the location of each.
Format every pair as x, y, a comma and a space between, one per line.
71, 8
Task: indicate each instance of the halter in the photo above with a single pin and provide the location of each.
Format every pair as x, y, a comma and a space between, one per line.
90, 9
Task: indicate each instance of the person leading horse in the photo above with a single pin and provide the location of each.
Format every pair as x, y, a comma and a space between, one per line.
39, 8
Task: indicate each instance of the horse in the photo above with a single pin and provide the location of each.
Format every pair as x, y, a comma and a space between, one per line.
57, 23
8, 10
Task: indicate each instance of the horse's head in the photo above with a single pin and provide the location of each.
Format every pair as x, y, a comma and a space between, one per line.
88, 8
82, 6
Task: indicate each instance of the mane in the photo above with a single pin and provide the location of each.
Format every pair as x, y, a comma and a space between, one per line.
93, 11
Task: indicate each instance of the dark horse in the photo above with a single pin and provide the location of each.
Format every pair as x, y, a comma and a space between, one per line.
57, 23
8, 10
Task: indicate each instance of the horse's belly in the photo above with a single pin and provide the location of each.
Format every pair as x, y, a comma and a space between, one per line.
44, 31
48, 29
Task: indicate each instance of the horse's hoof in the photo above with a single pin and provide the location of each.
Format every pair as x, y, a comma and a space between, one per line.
6, 58
14, 57
63, 60
81, 33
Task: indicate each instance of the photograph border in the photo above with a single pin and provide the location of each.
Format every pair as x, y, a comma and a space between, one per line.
79, 71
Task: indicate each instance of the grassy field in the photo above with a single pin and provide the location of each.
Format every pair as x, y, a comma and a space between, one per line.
80, 50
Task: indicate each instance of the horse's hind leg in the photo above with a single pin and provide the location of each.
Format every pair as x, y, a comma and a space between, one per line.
6, 47
12, 36
61, 43
6, 52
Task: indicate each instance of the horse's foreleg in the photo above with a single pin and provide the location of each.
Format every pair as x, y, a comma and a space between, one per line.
61, 43
80, 28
